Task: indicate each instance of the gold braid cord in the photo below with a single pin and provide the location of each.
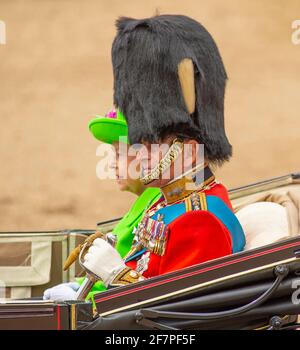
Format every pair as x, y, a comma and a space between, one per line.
173, 152
126, 276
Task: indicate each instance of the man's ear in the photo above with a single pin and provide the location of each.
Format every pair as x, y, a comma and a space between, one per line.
187, 83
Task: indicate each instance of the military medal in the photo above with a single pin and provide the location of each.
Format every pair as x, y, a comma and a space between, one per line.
142, 264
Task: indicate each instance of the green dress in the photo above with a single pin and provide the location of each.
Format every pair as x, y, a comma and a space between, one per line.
123, 230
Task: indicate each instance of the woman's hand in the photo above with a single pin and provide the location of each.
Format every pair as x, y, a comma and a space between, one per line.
61, 292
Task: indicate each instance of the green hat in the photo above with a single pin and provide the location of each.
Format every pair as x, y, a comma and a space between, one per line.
110, 128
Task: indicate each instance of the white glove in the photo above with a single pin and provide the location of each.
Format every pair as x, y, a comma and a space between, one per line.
61, 292
103, 260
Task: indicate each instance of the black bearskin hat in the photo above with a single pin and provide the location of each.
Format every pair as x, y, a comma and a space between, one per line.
145, 56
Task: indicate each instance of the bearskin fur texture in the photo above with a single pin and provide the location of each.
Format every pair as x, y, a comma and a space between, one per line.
145, 56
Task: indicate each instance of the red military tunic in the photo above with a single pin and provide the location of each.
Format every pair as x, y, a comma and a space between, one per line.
194, 236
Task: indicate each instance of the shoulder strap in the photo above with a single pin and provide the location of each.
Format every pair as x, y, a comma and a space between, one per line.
197, 201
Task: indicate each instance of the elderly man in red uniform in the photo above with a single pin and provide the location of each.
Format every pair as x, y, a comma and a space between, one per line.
169, 82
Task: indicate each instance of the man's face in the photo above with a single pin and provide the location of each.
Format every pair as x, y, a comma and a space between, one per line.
150, 155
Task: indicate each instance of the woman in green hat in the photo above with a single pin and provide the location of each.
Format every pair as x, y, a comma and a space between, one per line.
110, 129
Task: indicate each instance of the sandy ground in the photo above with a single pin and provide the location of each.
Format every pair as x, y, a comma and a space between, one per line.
55, 72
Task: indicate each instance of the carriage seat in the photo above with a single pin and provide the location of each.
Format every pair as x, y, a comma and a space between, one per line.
263, 223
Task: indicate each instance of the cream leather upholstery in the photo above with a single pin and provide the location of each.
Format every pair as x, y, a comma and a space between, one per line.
263, 223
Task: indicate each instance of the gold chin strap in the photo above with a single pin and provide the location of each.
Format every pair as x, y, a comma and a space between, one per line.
172, 154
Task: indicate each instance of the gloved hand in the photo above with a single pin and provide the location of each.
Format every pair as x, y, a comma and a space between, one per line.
61, 292
103, 260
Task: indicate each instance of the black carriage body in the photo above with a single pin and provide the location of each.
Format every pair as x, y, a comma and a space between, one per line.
34, 314
221, 284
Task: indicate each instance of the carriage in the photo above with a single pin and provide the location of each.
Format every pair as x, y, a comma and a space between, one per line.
254, 289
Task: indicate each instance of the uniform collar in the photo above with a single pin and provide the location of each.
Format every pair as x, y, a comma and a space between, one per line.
194, 180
